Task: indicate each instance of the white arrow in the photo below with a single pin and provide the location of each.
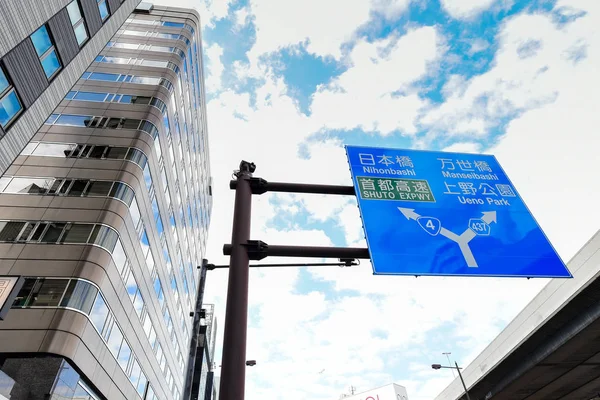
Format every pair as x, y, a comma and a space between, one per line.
409, 213
462, 240
489, 217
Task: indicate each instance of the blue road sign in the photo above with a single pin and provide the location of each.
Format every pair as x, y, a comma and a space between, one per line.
439, 213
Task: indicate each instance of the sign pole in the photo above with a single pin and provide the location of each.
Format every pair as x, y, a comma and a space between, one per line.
233, 372
462, 380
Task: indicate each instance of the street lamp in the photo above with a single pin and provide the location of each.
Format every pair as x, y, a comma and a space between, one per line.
439, 366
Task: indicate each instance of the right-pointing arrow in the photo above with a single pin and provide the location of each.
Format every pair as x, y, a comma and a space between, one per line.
409, 213
489, 217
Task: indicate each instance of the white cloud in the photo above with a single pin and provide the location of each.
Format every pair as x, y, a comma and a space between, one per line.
375, 93
322, 26
529, 68
210, 10
390, 8
464, 147
215, 67
547, 152
241, 17
286, 23
466, 9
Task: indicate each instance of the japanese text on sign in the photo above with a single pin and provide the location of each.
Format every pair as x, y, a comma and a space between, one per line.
394, 189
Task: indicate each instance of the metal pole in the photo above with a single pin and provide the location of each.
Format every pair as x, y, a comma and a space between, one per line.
233, 372
462, 380
308, 251
263, 186
189, 378
450, 363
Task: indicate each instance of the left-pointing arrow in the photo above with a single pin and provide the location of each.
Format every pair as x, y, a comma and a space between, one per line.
409, 213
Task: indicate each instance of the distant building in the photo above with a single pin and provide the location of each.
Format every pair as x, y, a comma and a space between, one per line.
205, 389
388, 392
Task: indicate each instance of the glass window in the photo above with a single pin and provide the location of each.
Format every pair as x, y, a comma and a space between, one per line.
131, 286
150, 394
73, 120
78, 187
97, 151
41, 40
144, 243
51, 63
77, 233
23, 295
124, 355
123, 192
138, 303
103, 7
77, 21
114, 340
45, 50
104, 237
10, 105
53, 150
9, 230
27, 231
80, 32
4, 84
48, 292
136, 156
4, 181
65, 186
141, 386
152, 337
99, 188
119, 256
99, 313
79, 295
39, 230
53, 233
116, 153
136, 371
90, 96
29, 185
129, 123
135, 212
102, 76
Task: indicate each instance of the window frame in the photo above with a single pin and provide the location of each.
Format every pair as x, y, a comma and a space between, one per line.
4, 94
104, 3
49, 50
79, 22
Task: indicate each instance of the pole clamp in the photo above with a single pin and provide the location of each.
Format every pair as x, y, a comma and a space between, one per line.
256, 249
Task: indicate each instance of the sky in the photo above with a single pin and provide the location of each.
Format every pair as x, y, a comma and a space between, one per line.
289, 83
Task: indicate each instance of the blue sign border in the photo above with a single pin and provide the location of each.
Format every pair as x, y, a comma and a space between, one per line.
407, 204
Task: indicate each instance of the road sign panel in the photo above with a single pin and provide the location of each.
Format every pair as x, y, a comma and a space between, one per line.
440, 213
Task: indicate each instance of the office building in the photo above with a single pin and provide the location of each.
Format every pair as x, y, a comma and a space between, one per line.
105, 209
45, 46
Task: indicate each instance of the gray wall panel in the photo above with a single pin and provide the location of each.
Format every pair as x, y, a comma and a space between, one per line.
19, 18
64, 37
25, 70
26, 126
113, 5
91, 15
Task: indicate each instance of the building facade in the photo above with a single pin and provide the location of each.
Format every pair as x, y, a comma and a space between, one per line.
207, 389
45, 46
104, 214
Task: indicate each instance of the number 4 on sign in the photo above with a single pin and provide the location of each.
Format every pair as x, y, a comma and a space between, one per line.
430, 225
